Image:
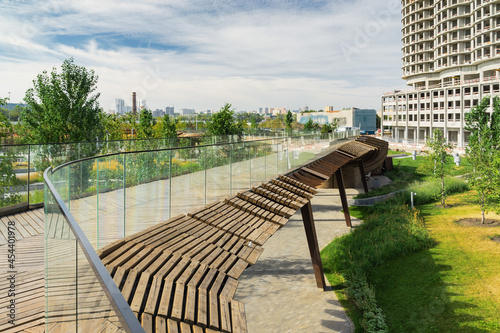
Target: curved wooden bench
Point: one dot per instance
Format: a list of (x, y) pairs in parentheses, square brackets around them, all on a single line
[(181, 275)]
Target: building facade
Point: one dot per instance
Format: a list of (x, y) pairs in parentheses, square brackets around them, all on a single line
[(451, 61), (364, 119)]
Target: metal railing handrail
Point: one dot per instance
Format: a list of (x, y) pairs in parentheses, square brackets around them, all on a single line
[(114, 295)]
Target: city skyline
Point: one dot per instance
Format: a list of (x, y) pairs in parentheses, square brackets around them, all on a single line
[(194, 54)]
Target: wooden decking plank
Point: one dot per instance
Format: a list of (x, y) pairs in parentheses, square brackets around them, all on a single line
[(157, 286), (180, 290), (161, 324), (237, 269), (166, 296), (202, 316), (142, 287), (238, 317), (191, 295), (214, 301), (172, 326), (225, 298)]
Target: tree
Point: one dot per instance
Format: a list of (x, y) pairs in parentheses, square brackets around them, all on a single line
[(166, 128), (5, 125), (63, 106), (484, 155), (223, 123), (146, 123), (289, 121), (113, 126), (311, 125), (437, 160)]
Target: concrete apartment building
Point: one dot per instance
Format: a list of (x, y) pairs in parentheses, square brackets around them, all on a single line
[(451, 60)]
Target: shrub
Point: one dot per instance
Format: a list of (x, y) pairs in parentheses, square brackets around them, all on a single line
[(390, 230)]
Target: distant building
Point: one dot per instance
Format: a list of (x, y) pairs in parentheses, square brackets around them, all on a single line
[(365, 119), (142, 104), (277, 111), (11, 106), (185, 112), (158, 113), (261, 110), (328, 108), (119, 106), (170, 111)]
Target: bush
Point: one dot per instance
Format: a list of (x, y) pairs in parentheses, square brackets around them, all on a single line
[(390, 230), (430, 191)]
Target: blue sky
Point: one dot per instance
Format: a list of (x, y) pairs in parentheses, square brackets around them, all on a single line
[(202, 53)]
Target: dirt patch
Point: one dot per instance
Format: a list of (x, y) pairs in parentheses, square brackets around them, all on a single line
[(495, 239), (470, 222)]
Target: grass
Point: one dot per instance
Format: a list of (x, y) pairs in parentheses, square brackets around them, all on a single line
[(452, 287), (393, 152), (405, 174), (389, 231)]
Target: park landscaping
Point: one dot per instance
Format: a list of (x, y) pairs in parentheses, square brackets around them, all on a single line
[(431, 270)]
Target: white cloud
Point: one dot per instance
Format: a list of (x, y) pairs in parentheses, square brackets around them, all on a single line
[(276, 53)]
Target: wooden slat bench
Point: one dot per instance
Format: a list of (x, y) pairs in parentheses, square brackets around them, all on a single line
[(181, 274)]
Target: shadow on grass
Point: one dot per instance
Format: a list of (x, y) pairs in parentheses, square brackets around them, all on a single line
[(414, 298)]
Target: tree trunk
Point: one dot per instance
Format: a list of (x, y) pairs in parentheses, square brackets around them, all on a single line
[(442, 191), (482, 209)]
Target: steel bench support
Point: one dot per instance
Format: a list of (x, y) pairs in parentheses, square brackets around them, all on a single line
[(312, 241), (343, 197)]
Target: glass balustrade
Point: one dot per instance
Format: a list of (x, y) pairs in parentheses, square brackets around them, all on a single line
[(113, 196)]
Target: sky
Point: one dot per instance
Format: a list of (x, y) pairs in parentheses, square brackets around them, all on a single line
[(201, 54)]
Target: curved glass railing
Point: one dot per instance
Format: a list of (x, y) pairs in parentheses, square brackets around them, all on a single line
[(94, 201)]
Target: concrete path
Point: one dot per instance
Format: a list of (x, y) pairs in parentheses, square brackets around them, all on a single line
[(279, 291)]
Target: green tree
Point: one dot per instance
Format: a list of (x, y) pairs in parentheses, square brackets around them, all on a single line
[(113, 126), (166, 128), (311, 125), (437, 159), (5, 125), (223, 123), (289, 121), (62, 106), (326, 128), (484, 155), (146, 123)]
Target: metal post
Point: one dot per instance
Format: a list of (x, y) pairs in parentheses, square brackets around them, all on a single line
[(343, 197), (312, 242), (29, 172), (363, 176)]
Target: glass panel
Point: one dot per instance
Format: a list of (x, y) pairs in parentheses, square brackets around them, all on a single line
[(240, 167), (258, 155), (75, 300), (145, 190), (111, 199), (188, 180), (84, 199), (217, 161), (14, 174), (60, 269)]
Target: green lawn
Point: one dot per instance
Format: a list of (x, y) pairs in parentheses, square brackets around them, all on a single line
[(452, 287), (405, 174)]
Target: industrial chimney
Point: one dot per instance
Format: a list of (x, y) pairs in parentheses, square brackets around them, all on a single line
[(134, 103)]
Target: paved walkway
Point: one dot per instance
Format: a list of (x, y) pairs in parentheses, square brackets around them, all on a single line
[(279, 291)]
